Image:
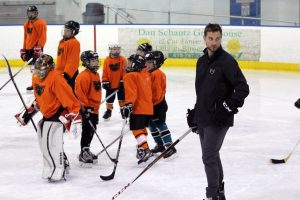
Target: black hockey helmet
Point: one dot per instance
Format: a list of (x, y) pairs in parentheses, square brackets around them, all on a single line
[(32, 9), (158, 59), (135, 63), (72, 25), (43, 65), (145, 47), (86, 57)]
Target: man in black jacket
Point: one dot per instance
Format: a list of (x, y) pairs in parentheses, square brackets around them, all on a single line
[(220, 88)]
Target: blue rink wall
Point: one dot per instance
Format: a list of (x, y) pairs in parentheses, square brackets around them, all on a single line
[(258, 48)]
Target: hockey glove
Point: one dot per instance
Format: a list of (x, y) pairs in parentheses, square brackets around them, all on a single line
[(106, 85), (87, 110), (190, 115), (37, 51), (72, 122), (127, 110), (121, 85), (26, 114), (297, 103), (23, 54)]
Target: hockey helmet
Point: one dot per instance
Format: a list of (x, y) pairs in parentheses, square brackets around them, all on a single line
[(32, 12), (114, 50), (143, 49), (135, 63), (43, 65), (158, 59), (86, 58), (74, 26)]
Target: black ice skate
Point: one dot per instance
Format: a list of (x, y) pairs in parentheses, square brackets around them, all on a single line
[(170, 152), (143, 155), (94, 157), (107, 115), (85, 159), (158, 149)]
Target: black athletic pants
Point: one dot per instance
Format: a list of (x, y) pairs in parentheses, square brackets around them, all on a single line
[(211, 139), (87, 130)]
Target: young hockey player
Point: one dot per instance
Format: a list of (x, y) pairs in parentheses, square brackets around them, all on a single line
[(59, 107), (112, 78), (88, 91), (139, 106), (68, 53), (157, 125), (143, 49), (35, 34)]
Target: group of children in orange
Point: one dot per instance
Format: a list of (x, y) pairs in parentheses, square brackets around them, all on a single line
[(69, 100)]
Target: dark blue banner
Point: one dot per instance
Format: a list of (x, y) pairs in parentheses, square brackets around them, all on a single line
[(245, 8)]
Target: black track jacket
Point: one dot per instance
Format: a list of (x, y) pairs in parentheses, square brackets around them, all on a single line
[(218, 79)]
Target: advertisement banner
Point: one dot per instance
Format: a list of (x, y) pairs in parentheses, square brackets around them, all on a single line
[(243, 44)]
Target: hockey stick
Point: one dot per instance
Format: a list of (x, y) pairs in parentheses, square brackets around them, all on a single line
[(16, 73), (108, 97), (112, 175), (284, 160), (152, 163), (13, 80), (114, 141), (111, 159), (108, 145)]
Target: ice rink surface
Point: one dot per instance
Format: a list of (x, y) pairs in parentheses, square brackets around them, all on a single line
[(268, 126)]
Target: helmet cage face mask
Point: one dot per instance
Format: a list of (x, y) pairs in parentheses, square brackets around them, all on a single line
[(66, 33), (158, 59), (114, 50), (43, 65), (73, 26), (90, 60), (135, 63), (32, 12), (94, 65)]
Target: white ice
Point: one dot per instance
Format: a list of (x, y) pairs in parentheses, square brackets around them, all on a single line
[(268, 126)]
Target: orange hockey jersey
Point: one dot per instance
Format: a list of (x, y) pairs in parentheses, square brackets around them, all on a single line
[(113, 70), (88, 89), (68, 54), (53, 92), (158, 79), (35, 33), (138, 92)]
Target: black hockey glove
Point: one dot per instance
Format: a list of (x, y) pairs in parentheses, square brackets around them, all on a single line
[(121, 85), (190, 115), (297, 103), (87, 112), (106, 85), (126, 110)]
